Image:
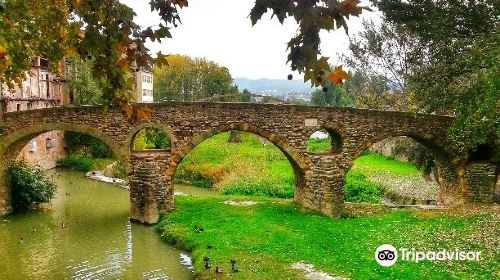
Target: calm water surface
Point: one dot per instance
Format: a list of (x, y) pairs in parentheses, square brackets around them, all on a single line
[(97, 240)]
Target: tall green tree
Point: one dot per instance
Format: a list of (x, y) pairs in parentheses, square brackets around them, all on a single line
[(331, 95), (382, 57), (82, 86), (460, 71), (187, 79)]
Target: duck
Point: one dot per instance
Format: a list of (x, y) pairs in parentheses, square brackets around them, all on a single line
[(198, 229), (234, 268), (218, 270), (207, 262)]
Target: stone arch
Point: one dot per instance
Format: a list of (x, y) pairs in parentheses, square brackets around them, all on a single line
[(449, 175), (297, 162), (12, 144), (292, 156), (336, 140), (129, 140)]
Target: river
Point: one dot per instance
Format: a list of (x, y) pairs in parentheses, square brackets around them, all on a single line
[(85, 234)]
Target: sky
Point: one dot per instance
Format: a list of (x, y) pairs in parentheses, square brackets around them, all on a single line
[(221, 31)]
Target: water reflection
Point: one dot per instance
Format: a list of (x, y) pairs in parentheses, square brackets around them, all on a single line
[(97, 240)]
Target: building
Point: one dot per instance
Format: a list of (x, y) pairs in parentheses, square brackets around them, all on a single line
[(40, 89), (143, 85)]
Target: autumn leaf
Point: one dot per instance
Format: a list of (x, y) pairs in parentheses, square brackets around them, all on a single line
[(338, 75), (143, 114), (181, 3), (350, 7), (3, 54), (122, 63), (161, 59)]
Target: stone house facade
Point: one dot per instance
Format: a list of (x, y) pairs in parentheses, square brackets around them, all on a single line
[(40, 89)]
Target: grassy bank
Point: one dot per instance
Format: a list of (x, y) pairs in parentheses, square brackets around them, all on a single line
[(256, 167), (252, 167), (267, 238), (85, 164)]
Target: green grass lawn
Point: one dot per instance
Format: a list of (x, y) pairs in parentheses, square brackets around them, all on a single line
[(319, 145), (267, 238), (375, 163)]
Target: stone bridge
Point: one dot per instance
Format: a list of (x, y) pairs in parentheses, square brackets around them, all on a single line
[(319, 178)]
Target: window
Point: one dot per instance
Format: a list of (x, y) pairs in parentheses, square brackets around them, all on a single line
[(44, 63), (18, 107)]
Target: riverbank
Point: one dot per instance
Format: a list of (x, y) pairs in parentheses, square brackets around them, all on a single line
[(270, 236)]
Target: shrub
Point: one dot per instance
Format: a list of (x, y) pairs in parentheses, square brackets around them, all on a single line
[(253, 188), (77, 162), (29, 186), (358, 189), (86, 145), (151, 138)]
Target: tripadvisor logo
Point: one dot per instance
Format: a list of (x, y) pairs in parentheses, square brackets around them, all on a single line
[(387, 255)]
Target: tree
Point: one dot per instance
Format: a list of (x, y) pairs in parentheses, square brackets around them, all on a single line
[(106, 31), (382, 57), (103, 30), (331, 95), (82, 86), (460, 70), (187, 79), (388, 50), (246, 96)]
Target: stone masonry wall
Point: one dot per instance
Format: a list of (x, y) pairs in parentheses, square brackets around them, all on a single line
[(482, 179), (151, 194), (319, 178)]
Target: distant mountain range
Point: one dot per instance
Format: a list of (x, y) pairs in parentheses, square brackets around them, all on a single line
[(273, 86)]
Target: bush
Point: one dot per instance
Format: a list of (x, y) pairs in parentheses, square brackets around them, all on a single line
[(86, 145), (29, 186), (253, 188), (77, 162), (358, 189), (197, 178), (151, 138)]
